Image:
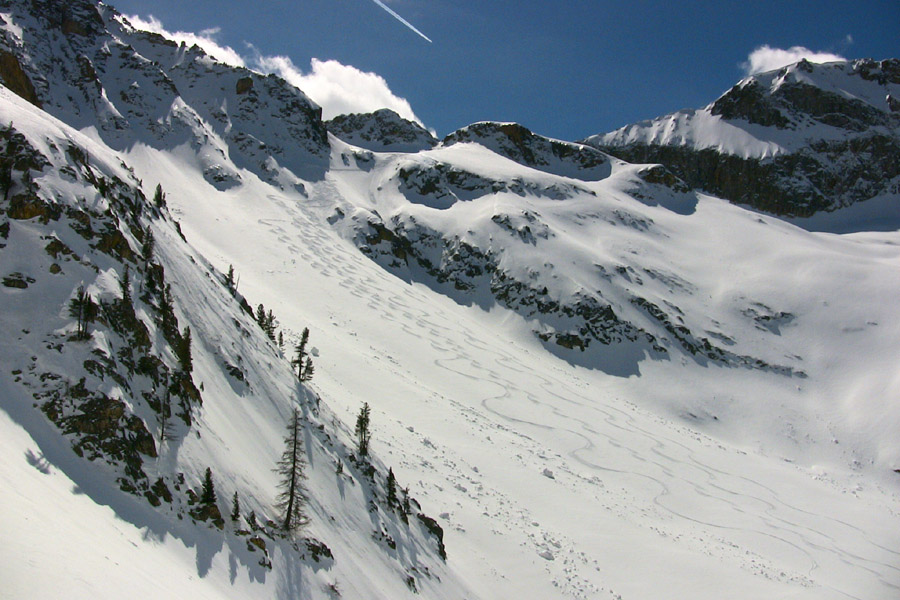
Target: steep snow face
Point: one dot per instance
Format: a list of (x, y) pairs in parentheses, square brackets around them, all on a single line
[(90, 68), (116, 416), (381, 131), (687, 477), (788, 141)]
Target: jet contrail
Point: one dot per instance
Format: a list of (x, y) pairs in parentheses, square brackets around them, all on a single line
[(401, 19)]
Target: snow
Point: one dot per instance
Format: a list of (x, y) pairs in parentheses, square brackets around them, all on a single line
[(687, 480), (555, 474)]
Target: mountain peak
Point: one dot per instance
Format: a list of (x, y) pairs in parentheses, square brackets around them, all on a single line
[(786, 141), (381, 131)]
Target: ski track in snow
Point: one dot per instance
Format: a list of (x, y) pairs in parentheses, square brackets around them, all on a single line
[(686, 487)]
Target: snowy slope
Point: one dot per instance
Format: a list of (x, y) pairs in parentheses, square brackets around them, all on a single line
[(597, 381), (109, 410)]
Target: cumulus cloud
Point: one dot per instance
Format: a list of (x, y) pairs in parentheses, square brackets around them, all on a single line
[(205, 39), (766, 58), (336, 87)]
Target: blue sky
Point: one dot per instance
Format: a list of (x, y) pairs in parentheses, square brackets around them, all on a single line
[(566, 69)]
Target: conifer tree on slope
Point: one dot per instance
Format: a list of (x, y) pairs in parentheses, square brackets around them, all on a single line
[(302, 360), (362, 429), (292, 496)]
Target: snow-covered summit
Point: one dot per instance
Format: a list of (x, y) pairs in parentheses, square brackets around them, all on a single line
[(788, 140)]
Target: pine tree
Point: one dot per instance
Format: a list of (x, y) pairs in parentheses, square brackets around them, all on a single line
[(281, 340), (165, 412), (300, 360), (184, 351), (230, 283), (291, 498), (391, 489), (270, 325), (208, 495), (148, 246), (261, 316), (83, 308), (404, 507), (167, 321), (362, 429), (308, 370), (159, 197), (235, 508)]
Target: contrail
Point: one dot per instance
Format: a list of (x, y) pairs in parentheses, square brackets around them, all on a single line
[(401, 19)]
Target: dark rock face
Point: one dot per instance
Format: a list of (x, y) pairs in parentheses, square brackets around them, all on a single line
[(381, 131), (15, 78), (845, 150), (520, 145), (823, 177), (749, 102)]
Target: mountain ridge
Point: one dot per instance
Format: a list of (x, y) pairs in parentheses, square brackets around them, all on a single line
[(794, 141), (581, 366)]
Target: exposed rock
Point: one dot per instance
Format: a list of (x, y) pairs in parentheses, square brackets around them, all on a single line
[(381, 131), (244, 85), (825, 148), (519, 144), (15, 78)]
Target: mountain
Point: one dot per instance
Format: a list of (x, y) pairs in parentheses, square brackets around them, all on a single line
[(381, 131), (795, 141), (585, 378)]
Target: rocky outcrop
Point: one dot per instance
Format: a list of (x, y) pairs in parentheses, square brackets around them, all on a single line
[(381, 131), (520, 145)]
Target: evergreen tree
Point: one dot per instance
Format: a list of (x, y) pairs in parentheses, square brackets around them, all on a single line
[(208, 495), (300, 360), (159, 197), (281, 340), (165, 412), (84, 309), (362, 429), (148, 246), (391, 489), (235, 508), (404, 507), (308, 370), (230, 283), (125, 288), (167, 321), (270, 325), (261, 316), (184, 351), (291, 498)]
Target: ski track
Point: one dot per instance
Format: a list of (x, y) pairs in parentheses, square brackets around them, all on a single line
[(504, 405)]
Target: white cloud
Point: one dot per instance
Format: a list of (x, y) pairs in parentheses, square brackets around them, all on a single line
[(766, 58), (336, 87), (205, 39)]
